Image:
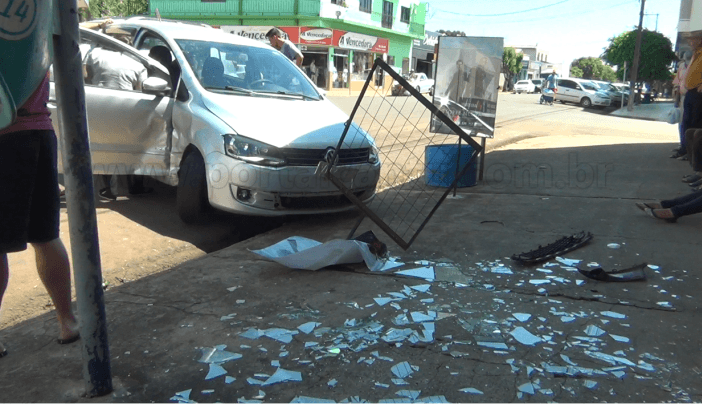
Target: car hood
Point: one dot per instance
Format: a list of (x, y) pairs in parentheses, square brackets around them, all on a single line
[(283, 122)]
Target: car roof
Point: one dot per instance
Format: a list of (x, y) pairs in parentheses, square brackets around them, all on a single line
[(188, 30)]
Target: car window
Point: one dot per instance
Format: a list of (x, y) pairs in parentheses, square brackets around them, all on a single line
[(228, 67), (589, 86), (567, 84), (112, 66)]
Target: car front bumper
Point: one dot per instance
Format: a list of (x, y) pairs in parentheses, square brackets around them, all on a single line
[(238, 187)]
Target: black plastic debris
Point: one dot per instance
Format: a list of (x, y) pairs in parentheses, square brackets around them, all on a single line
[(633, 274), (377, 247), (558, 247)]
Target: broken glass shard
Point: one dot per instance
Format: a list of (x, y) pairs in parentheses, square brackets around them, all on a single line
[(501, 270), (332, 383), (251, 333), (619, 338), (421, 288), (402, 370), (418, 317), (567, 319), (432, 399), (350, 323), (589, 384), (470, 390), (567, 360), (215, 371), (568, 262), (594, 331), (619, 374), (229, 379), (383, 300), (308, 327), (382, 385), (522, 317), (214, 355), (388, 265), (411, 394), (527, 388), (613, 246), (427, 300), (401, 319), (399, 382), (398, 295), (612, 314), (646, 366), (397, 335), (524, 336), (426, 273), (611, 359), (665, 304), (307, 399), (395, 306), (539, 281), (281, 375)]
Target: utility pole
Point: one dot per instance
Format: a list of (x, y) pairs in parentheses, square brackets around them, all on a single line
[(637, 56)]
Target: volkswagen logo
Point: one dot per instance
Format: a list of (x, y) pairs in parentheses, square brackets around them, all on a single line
[(329, 156)]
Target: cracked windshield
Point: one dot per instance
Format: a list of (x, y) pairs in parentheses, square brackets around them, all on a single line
[(223, 67)]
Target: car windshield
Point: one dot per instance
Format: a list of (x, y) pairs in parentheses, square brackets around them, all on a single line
[(589, 86), (245, 69), (603, 86)]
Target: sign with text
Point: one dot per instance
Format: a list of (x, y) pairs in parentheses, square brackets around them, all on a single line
[(361, 42), (316, 36), (258, 32)]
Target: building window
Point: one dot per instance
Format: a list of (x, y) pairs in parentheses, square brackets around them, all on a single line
[(405, 14), (213, 1), (366, 6), (336, 2), (388, 15)]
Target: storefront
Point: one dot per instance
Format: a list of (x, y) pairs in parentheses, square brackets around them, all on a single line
[(423, 59), (332, 58)]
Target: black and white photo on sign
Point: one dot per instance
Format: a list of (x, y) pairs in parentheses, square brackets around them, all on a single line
[(465, 90)]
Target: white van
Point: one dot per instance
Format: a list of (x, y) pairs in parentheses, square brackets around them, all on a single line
[(583, 92)]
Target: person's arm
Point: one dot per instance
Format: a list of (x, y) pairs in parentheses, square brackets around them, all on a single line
[(298, 60), (96, 25)]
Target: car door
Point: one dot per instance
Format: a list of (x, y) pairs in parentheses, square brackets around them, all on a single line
[(129, 129), (424, 83), (566, 91)]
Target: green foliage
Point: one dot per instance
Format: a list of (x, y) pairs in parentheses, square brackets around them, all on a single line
[(592, 69), (656, 58), (117, 8), (452, 33), (511, 65)]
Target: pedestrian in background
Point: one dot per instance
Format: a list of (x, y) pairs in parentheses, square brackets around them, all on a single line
[(552, 81), (679, 91), (30, 205), (277, 39)]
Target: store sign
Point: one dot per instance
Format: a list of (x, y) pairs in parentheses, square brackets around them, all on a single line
[(258, 33), (316, 36), (354, 41)]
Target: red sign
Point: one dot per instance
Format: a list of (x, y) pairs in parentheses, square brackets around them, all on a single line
[(293, 33), (361, 42), (316, 36)]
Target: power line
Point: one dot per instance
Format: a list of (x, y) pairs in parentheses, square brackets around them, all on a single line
[(501, 14)]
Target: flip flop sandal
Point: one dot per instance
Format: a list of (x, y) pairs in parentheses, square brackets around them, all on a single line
[(68, 340), (691, 178), (635, 273), (652, 213), (646, 205)]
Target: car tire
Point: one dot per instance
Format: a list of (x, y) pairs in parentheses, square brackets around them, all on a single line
[(191, 194), (419, 89), (585, 102)]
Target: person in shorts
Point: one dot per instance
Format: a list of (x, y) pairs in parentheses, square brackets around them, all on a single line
[(30, 206)]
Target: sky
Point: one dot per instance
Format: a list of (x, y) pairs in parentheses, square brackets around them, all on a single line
[(566, 29)]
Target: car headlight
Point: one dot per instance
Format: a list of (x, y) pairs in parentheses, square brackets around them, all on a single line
[(373, 155), (253, 151)]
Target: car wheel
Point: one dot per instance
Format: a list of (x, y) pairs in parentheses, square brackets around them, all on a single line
[(585, 102), (419, 89), (561, 101), (191, 194)]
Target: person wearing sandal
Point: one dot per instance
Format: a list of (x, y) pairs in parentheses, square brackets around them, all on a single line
[(30, 205), (672, 209)]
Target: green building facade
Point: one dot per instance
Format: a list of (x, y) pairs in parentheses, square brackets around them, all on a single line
[(339, 38)]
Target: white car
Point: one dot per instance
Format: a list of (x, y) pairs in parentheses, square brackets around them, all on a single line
[(245, 139), (419, 82), (524, 86), (583, 92)]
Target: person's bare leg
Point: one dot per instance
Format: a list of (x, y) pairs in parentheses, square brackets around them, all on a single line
[(55, 273), (4, 277)]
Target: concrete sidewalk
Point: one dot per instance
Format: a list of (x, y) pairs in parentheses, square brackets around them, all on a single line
[(502, 331), (655, 111)]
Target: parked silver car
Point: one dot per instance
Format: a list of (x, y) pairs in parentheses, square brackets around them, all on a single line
[(230, 121), (583, 92), (615, 94)]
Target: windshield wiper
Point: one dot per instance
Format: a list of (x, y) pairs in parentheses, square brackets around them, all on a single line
[(306, 97), (231, 88)]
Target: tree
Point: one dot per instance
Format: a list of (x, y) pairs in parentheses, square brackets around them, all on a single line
[(656, 55), (452, 33), (511, 65), (592, 69), (117, 8)]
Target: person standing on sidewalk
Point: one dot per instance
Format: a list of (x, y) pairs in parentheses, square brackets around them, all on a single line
[(679, 91), (692, 103), (277, 39), (30, 205)]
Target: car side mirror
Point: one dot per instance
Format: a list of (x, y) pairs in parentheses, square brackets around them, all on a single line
[(156, 86)]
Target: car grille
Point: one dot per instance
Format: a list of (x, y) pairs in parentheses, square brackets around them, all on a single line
[(312, 157), (317, 202)]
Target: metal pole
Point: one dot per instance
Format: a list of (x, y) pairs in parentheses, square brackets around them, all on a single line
[(458, 166), (80, 202), (637, 56)]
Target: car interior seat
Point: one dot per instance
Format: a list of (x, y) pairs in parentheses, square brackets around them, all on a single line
[(213, 73)]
